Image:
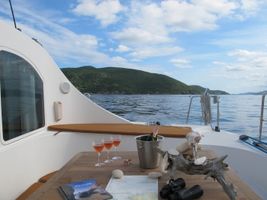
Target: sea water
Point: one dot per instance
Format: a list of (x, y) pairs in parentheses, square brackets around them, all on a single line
[(238, 113)]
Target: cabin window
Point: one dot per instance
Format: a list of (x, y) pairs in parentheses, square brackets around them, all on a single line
[(22, 101)]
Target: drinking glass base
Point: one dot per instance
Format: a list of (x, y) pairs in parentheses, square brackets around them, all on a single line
[(116, 158), (98, 165)]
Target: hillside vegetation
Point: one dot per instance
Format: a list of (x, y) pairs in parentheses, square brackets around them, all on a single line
[(113, 80)]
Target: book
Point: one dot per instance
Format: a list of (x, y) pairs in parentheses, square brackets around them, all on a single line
[(83, 190)]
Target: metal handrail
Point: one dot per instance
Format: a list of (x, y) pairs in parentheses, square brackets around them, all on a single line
[(206, 109), (262, 113), (189, 108), (216, 99)]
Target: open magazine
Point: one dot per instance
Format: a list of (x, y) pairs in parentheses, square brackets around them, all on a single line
[(83, 190)]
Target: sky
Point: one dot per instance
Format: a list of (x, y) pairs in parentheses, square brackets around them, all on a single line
[(218, 44)]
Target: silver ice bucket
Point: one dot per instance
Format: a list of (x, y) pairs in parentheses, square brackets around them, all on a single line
[(149, 157)]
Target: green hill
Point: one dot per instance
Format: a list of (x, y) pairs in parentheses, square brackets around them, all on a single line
[(113, 80), (202, 89)]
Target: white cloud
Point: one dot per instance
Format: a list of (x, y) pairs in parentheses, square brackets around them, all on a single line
[(218, 62), (79, 48), (118, 59), (251, 59), (105, 11), (219, 7), (67, 47), (148, 52), (250, 7), (180, 63), (151, 25), (184, 16), (247, 69), (64, 45), (122, 48), (243, 53), (148, 17), (144, 25), (174, 15), (137, 36)]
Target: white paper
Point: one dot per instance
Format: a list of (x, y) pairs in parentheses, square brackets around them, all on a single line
[(133, 188)]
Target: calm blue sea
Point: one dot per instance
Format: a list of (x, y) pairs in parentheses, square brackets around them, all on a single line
[(238, 113)]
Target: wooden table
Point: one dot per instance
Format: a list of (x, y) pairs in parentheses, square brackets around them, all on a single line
[(82, 167)]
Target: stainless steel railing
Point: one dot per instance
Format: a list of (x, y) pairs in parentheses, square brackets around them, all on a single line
[(205, 100), (262, 115), (189, 108)]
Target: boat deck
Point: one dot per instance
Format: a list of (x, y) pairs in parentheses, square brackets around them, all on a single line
[(82, 167)]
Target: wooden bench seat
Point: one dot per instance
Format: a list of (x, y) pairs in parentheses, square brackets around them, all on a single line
[(29, 191), (124, 129), (35, 186)]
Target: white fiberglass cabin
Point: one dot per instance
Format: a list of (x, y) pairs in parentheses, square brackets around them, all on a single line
[(35, 94)]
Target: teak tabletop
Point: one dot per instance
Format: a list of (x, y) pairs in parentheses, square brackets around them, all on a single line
[(82, 167)]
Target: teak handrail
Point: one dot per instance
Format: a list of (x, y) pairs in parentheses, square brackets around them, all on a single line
[(124, 129)]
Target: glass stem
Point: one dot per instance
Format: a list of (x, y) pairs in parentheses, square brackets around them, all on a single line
[(98, 158), (108, 154)]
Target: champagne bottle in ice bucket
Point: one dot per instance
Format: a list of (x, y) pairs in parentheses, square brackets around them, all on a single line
[(155, 131), (147, 146)]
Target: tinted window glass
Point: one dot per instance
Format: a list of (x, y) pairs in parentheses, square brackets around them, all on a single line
[(21, 96)]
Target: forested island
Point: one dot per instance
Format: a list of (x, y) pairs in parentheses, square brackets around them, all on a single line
[(114, 80)]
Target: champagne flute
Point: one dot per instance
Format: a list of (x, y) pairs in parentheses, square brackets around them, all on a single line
[(116, 143), (98, 146), (108, 143)]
